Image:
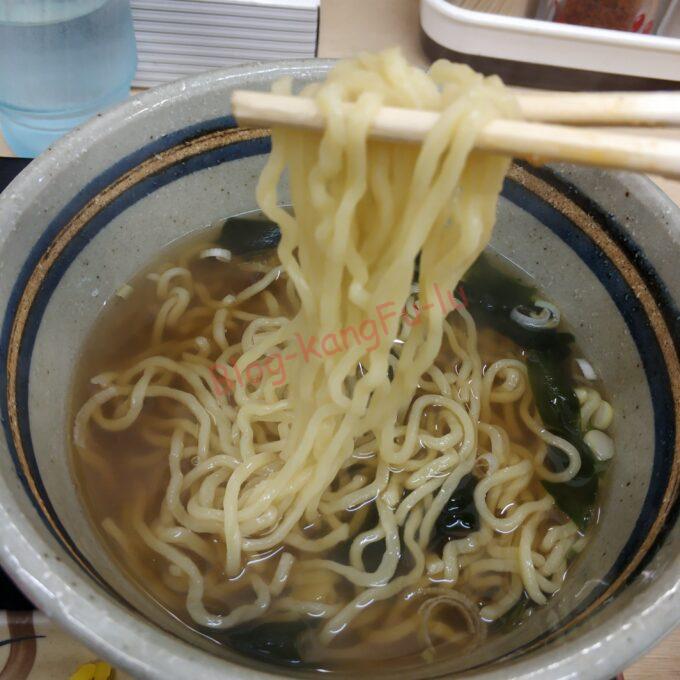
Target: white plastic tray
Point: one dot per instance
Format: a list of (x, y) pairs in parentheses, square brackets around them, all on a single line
[(552, 44)]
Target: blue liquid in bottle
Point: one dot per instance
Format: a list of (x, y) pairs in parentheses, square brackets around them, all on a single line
[(61, 61)]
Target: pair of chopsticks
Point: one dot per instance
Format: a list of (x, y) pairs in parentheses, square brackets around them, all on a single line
[(547, 140)]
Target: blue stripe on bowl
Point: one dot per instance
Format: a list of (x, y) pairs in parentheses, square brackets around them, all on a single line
[(603, 268)]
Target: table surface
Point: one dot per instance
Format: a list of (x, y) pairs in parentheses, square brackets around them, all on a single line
[(347, 27)]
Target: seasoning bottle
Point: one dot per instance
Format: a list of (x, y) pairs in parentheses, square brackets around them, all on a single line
[(638, 16)]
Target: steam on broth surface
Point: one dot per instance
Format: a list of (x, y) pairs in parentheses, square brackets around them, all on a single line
[(287, 447)]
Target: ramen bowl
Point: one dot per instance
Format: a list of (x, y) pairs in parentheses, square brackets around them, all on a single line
[(81, 220)]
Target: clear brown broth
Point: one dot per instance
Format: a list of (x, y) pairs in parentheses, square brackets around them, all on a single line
[(122, 333)]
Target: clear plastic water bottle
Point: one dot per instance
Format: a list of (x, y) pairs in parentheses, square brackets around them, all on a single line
[(61, 61)]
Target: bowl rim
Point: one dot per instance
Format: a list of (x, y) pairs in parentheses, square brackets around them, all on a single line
[(144, 649)]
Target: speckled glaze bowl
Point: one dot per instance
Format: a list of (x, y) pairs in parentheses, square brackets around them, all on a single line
[(83, 218)]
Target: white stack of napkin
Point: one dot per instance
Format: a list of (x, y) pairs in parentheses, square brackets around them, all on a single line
[(177, 38)]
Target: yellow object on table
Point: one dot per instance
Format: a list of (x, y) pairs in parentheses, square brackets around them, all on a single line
[(96, 670)]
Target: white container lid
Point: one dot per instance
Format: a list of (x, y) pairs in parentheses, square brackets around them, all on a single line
[(541, 42)]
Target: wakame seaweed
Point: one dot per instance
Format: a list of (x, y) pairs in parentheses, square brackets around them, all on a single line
[(275, 641), (491, 295), (248, 235), (459, 518), (559, 409)]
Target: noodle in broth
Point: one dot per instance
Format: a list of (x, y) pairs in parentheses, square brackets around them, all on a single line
[(279, 440)]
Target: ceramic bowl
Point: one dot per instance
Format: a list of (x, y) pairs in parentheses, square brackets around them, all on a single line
[(86, 216)]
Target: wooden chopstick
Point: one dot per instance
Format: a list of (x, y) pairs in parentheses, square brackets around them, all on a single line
[(535, 141), (602, 108)]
